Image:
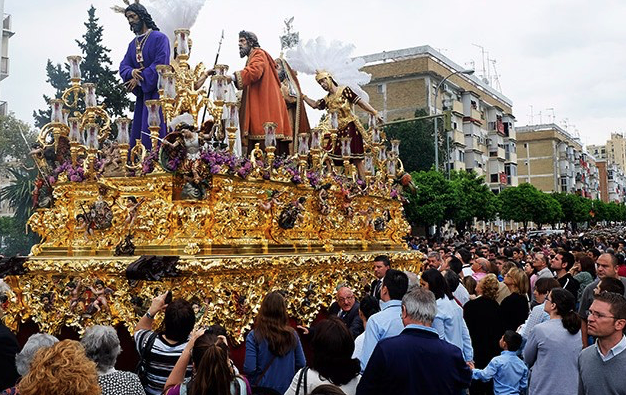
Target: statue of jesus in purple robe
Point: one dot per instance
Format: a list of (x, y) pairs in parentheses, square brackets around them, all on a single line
[(138, 68)]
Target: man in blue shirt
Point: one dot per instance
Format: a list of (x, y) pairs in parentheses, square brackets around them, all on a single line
[(509, 373), (387, 321), (417, 361)]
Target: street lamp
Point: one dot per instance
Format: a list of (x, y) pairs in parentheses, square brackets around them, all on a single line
[(467, 72)]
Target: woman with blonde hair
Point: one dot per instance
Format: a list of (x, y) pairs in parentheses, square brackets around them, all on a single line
[(514, 308), (61, 369)]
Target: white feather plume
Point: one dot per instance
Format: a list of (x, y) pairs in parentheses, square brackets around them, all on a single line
[(317, 55), (182, 118), (170, 15)]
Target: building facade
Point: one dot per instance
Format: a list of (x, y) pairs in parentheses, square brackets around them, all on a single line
[(481, 136), (7, 33), (554, 161)]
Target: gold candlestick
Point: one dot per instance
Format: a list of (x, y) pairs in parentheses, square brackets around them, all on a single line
[(269, 152), (123, 150), (154, 136), (232, 136), (89, 166)]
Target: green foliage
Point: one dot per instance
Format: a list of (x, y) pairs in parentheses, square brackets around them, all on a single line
[(417, 150), (575, 208), (431, 200), (96, 67), (547, 210), (517, 203), (472, 198), (59, 78), (13, 237), (12, 144), (19, 193)]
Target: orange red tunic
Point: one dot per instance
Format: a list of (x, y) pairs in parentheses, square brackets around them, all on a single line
[(262, 100)]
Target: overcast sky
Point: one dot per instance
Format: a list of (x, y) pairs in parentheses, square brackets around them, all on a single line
[(569, 55)]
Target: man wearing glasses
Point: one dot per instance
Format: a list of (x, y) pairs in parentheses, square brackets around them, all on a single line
[(606, 266), (601, 366), (347, 308)]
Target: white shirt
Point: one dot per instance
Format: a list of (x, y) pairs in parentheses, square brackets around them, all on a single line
[(613, 352)]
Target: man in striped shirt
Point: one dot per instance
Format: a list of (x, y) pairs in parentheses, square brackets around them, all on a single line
[(167, 346)]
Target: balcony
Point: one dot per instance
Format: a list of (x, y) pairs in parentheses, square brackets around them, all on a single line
[(497, 153), (456, 137), (4, 67), (475, 114), (457, 107)]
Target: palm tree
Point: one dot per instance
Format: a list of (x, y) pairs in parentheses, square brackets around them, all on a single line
[(19, 196)]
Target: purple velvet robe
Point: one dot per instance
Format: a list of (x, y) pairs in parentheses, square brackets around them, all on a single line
[(156, 50)]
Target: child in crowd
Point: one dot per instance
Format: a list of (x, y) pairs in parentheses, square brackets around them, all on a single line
[(508, 371)]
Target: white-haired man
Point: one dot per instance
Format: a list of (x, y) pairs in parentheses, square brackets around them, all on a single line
[(416, 361)]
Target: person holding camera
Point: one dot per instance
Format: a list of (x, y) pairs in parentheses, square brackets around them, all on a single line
[(159, 351)]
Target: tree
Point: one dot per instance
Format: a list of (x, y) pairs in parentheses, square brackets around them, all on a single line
[(472, 198), (13, 239), (519, 203), (547, 210), (59, 78), (12, 144), (95, 68), (575, 208), (430, 202), (417, 149), (13, 234)]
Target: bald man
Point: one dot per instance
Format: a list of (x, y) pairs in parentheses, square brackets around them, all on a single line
[(347, 308)]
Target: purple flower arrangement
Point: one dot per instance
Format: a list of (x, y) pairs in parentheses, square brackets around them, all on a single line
[(74, 173), (224, 162)]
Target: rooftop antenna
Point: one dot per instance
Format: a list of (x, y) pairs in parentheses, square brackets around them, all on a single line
[(484, 68), (540, 119), (532, 120), (565, 123), (552, 110), (495, 77)]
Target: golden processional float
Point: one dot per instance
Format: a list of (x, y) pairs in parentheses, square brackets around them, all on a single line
[(119, 225)]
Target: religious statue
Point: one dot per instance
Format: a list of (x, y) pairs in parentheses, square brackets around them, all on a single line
[(339, 100), (181, 152), (138, 68), (290, 88), (262, 100)]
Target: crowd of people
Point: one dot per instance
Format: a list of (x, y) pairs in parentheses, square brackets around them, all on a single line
[(488, 314)]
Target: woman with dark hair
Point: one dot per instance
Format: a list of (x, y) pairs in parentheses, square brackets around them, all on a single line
[(273, 349), (367, 307), (483, 323), (553, 346), (449, 321), (332, 362), (584, 271), (213, 371), (514, 308)]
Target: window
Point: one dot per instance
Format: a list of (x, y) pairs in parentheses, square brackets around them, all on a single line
[(380, 88), (494, 177)]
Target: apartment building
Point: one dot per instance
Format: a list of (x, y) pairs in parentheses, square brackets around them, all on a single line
[(7, 33), (482, 132), (553, 160)]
